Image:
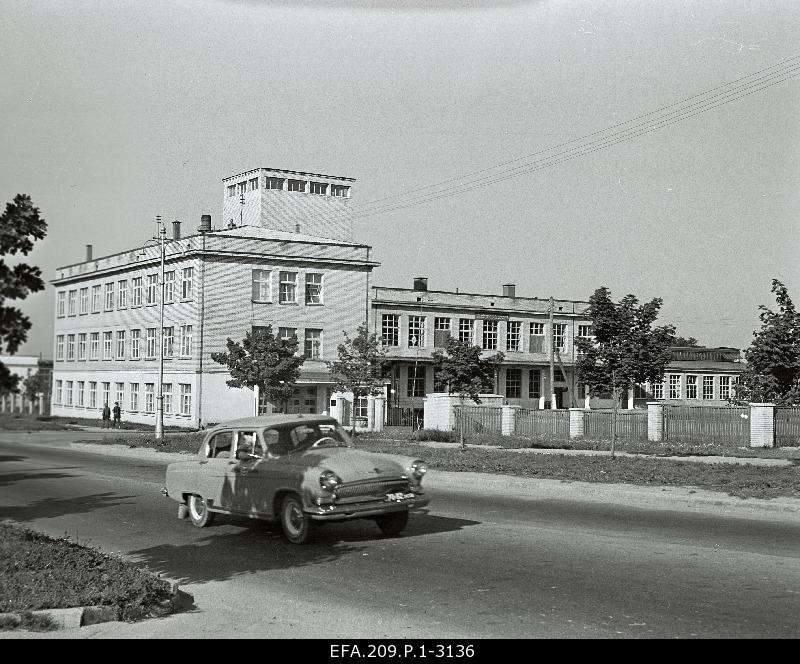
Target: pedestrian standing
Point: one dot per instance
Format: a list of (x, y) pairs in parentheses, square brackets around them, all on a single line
[(106, 416), (117, 415)]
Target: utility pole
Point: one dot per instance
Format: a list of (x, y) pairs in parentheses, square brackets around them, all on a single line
[(552, 360), (162, 232), (241, 210)]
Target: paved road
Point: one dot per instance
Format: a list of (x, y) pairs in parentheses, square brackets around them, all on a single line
[(477, 565)]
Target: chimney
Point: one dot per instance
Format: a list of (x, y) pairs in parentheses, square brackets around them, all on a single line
[(420, 283), (88, 252), (509, 290), (176, 230), (205, 224)]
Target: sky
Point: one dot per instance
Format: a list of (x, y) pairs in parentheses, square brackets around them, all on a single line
[(115, 112)]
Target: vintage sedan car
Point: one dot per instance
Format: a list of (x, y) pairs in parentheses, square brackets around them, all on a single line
[(300, 470)]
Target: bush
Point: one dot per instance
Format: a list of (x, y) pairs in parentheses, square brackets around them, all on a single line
[(30, 622), (436, 435)]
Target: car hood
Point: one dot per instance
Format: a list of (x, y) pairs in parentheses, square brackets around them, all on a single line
[(353, 465)]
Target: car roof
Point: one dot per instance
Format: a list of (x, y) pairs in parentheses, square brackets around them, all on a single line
[(274, 420)]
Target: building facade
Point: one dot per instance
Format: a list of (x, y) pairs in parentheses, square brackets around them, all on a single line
[(25, 366), (218, 284)]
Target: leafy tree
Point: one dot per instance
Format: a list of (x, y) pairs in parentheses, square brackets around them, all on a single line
[(684, 341), (35, 384), (20, 227), (626, 349), (463, 370), (359, 365), (263, 359), (772, 374)]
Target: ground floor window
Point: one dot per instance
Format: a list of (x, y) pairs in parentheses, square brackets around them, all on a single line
[(186, 399), (513, 383), (134, 405), (416, 382), (149, 397), (166, 391), (535, 384)]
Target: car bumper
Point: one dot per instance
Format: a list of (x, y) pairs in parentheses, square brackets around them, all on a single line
[(334, 512)]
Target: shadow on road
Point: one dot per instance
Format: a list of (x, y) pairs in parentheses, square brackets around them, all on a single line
[(10, 457), (48, 508)]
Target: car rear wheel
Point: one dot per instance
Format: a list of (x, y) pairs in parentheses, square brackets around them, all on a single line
[(393, 524), (296, 524), (199, 513)]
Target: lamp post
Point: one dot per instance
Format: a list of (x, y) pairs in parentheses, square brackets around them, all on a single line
[(162, 232)]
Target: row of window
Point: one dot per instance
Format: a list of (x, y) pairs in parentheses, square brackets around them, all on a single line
[(289, 184), (695, 387), (121, 294), (288, 287), (85, 394), (415, 383), (120, 345), (443, 329), (312, 341)]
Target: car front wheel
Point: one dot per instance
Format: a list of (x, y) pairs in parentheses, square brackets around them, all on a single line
[(393, 524), (199, 513), (296, 524)]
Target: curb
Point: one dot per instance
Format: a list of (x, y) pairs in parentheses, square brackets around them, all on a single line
[(83, 616)]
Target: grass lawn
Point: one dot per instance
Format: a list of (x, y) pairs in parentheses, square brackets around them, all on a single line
[(40, 572), (24, 422)]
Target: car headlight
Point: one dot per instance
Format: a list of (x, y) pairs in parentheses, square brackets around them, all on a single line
[(329, 480), (419, 468)]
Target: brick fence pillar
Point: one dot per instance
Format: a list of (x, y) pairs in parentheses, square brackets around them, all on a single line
[(508, 421), (370, 412), (762, 424), (576, 422), (655, 421), (380, 412)]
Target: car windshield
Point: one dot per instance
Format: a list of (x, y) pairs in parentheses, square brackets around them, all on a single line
[(320, 435)]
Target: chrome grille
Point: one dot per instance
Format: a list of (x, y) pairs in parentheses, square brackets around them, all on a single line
[(371, 488)]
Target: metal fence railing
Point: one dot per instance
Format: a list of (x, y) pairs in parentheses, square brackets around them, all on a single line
[(719, 425), (787, 426), (478, 419), (631, 425), (405, 417), (544, 424)]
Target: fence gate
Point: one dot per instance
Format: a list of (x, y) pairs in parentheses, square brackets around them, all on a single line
[(405, 417), (728, 426)]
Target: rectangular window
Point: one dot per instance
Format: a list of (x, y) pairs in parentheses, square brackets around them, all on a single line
[(288, 288), (262, 288), (62, 299), (135, 339), (537, 337), (168, 341), (187, 278), (97, 296), (79, 393), (585, 331), (136, 292), (60, 347), (416, 381), (82, 346), (120, 344), (186, 398), (658, 390), (441, 331), (297, 185), (186, 340), (106, 393), (340, 190), (150, 343), (68, 399), (514, 383), (231, 190), (319, 188), (253, 183), (287, 333), (84, 301), (122, 294), (560, 336), (166, 391), (313, 344), (149, 398), (674, 386), (273, 183), (108, 343), (390, 330), (94, 346), (72, 303), (724, 387), (133, 406), (152, 288), (242, 187), (489, 335), (514, 335), (535, 384), (416, 331), (708, 387), (70, 347), (313, 288), (109, 297), (691, 387), (169, 286), (466, 327), (120, 394), (57, 392), (92, 394)]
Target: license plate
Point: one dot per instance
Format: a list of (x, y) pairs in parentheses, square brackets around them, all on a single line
[(398, 496)]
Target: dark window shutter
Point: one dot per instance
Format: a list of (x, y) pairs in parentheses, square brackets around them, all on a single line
[(440, 338)]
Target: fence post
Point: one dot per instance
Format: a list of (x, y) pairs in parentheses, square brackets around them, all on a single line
[(762, 424), (655, 421), (371, 412), (630, 399), (576, 422), (508, 420), (380, 412)]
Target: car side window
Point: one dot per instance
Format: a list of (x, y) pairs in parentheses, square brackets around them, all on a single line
[(248, 442), (278, 442), (219, 447)]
